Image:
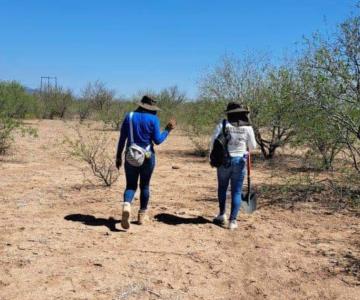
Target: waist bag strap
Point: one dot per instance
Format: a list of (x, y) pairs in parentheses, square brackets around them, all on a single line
[(132, 131)]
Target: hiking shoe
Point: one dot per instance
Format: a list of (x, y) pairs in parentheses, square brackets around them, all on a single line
[(143, 218), (220, 219), (126, 214), (233, 225)]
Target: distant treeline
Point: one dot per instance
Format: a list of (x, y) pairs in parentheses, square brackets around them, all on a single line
[(310, 101)]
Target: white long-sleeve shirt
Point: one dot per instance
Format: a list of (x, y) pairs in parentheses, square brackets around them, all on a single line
[(242, 139)]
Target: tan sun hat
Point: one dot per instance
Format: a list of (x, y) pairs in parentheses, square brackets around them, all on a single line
[(148, 103)]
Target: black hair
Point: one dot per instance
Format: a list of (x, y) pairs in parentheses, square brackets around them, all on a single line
[(144, 110), (239, 119)]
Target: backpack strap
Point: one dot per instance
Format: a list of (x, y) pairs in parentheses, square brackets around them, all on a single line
[(226, 154), (224, 122), (131, 128)]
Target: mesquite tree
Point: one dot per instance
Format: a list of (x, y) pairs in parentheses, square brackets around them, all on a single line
[(15, 102), (335, 63), (98, 95), (93, 149), (170, 100), (55, 102), (273, 112)]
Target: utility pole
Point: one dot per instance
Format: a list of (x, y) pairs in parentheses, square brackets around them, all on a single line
[(47, 82)]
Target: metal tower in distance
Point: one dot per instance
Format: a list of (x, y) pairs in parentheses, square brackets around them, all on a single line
[(47, 82)]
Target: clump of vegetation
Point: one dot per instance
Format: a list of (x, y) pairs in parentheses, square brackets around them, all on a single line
[(331, 70), (93, 150), (55, 102), (312, 102), (15, 105), (82, 109), (7, 126), (114, 116), (15, 102), (199, 120), (98, 102), (98, 96), (171, 101)]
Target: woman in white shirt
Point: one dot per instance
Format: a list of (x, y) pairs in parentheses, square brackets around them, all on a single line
[(241, 139)]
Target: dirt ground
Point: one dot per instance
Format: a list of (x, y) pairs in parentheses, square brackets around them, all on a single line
[(62, 239)]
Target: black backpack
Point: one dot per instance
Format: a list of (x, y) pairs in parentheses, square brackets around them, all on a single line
[(219, 155)]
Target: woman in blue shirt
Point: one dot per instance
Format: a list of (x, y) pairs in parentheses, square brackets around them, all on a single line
[(146, 133)]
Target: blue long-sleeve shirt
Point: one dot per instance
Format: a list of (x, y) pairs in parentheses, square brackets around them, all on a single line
[(146, 127)]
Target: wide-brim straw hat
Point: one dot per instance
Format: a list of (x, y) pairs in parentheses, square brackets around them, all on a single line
[(234, 107), (148, 103)]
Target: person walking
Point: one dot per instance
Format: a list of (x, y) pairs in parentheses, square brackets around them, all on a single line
[(140, 130), (240, 139)]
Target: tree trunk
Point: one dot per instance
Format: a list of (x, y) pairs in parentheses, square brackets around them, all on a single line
[(272, 150)]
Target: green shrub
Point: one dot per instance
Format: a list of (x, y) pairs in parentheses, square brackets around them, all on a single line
[(82, 109), (98, 96), (15, 102), (199, 120), (115, 113), (93, 150), (55, 102), (331, 67), (7, 128), (314, 129), (273, 110), (170, 101)]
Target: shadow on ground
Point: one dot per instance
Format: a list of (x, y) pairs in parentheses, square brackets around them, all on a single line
[(10, 160), (352, 266), (185, 153), (93, 221), (330, 196), (344, 263), (207, 199), (176, 220)]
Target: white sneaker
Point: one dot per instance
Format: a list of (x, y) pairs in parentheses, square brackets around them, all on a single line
[(126, 215), (233, 225), (220, 219)]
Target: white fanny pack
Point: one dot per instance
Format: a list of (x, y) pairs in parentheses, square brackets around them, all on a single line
[(135, 155)]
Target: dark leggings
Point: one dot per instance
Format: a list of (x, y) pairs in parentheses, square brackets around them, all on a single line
[(132, 178)]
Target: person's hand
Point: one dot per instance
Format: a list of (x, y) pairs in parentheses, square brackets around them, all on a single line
[(118, 162), (171, 124)]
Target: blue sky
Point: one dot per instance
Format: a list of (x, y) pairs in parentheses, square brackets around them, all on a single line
[(137, 45)]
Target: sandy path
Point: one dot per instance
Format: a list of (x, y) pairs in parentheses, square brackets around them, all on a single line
[(60, 239)]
